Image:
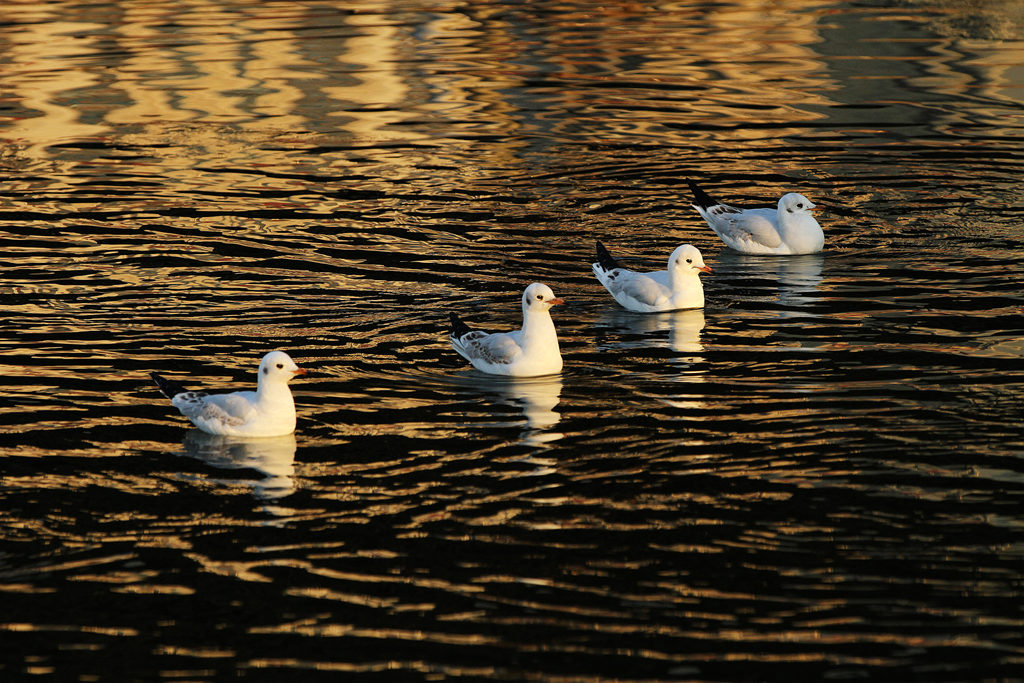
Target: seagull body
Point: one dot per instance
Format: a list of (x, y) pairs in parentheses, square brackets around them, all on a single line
[(664, 290), (528, 352), (788, 229), (268, 411)]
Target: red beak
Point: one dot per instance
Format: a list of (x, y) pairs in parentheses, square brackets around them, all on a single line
[(299, 371), (555, 302), (706, 269)]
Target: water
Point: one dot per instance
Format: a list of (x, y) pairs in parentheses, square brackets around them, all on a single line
[(818, 476)]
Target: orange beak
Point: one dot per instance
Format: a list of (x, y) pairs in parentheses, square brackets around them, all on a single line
[(706, 269), (299, 371), (555, 302)]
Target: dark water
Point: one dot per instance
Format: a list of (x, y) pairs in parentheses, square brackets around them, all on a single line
[(818, 477)]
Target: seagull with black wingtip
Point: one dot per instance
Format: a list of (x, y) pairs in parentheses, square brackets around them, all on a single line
[(788, 229), (527, 352), (268, 411), (673, 289)]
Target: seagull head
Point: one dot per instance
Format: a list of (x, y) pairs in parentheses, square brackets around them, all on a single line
[(539, 298), (795, 203), (277, 366), (687, 258)]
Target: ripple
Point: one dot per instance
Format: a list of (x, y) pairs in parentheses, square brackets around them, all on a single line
[(816, 476)]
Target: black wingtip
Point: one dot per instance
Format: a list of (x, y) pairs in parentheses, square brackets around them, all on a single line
[(604, 259), (167, 387), (701, 197), (459, 328)]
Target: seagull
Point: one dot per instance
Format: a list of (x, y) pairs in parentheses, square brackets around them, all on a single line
[(790, 229), (528, 352), (663, 290), (268, 411)]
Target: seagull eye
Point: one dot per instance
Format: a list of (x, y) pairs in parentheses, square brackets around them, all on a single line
[(539, 297), (280, 366), (689, 260), (800, 205)]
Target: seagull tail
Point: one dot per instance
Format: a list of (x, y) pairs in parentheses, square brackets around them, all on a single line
[(459, 328), (605, 260), (167, 387), (702, 198)]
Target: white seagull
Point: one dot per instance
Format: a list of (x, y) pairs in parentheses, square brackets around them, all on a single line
[(268, 411), (663, 290), (528, 352), (789, 229)]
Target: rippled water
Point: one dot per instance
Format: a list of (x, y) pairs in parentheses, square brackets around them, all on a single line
[(818, 476)]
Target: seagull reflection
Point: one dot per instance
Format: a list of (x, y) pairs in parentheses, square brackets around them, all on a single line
[(537, 396), (674, 381), (797, 277), (683, 327), (272, 456)]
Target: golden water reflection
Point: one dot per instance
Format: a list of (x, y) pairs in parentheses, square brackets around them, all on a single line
[(321, 69), (200, 180)]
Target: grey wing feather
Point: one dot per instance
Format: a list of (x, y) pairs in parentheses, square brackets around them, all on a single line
[(645, 288), (228, 409), (752, 224), (498, 348)]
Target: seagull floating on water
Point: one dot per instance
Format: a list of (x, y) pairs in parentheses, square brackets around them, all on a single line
[(663, 290), (528, 352), (268, 411), (789, 229)]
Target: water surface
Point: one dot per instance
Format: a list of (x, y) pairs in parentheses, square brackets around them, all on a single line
[(818, 476)]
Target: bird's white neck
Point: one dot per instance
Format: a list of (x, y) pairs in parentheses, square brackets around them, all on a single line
[(538, 328), (273, 391), (682, 278)]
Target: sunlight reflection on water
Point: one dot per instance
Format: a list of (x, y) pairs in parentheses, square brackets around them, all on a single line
[(817, 475)]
